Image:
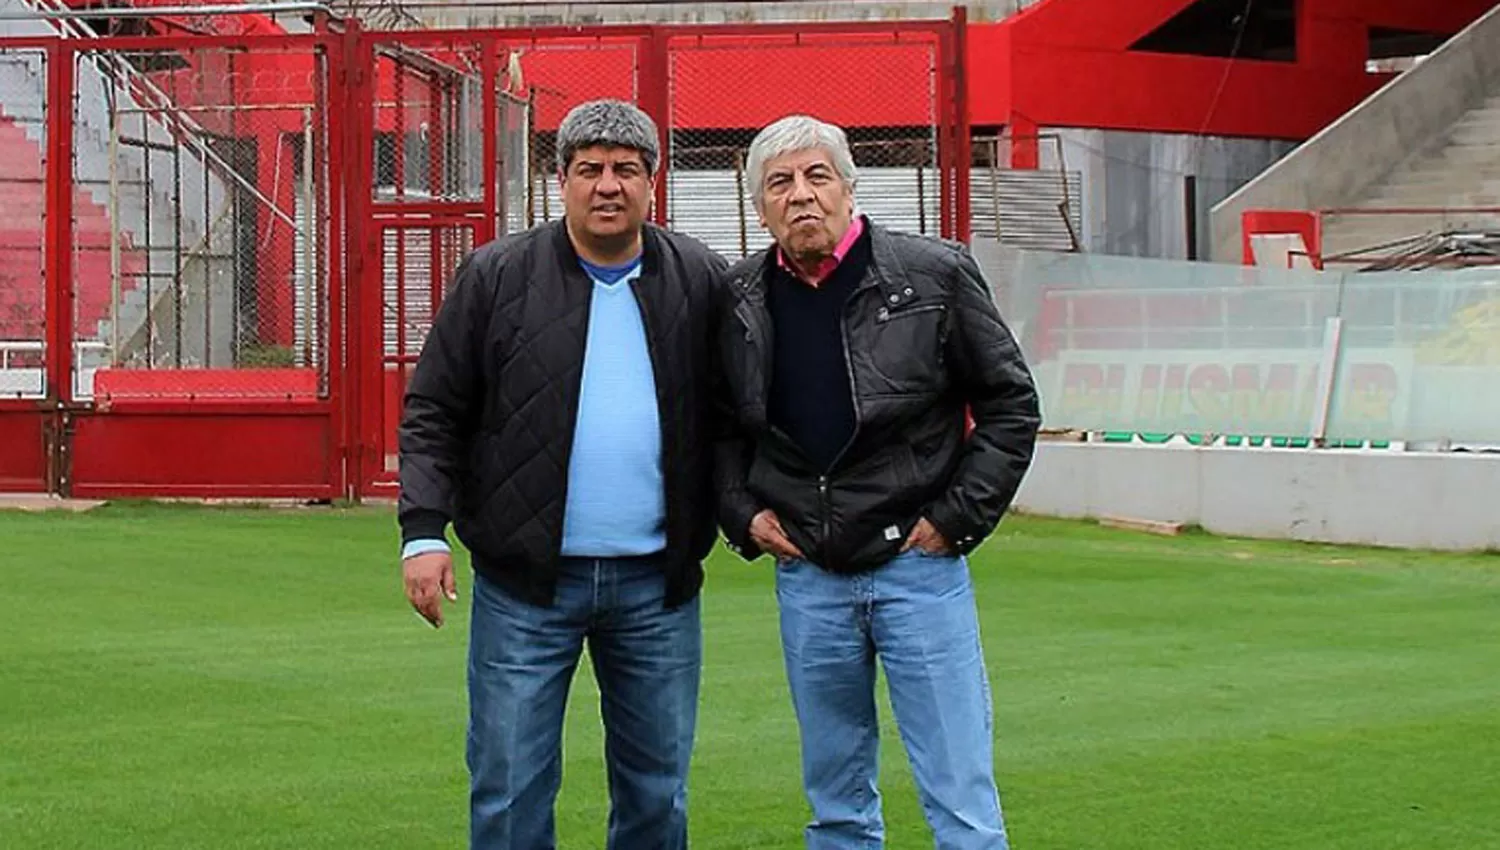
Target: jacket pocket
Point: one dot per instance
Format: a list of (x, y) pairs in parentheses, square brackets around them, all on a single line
[(903, 351)]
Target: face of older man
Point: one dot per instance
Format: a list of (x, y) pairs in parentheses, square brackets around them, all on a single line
[(606, 193), (805, 204)]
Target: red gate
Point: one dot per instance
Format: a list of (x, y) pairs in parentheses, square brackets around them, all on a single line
[(180, 337), (221, 249), (417, 258), (529, 80)]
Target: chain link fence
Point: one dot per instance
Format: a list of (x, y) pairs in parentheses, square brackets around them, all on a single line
[(885, 97), (545, 80), (200, 218), (900, 179), (209, 159), (429, 124), (418, 265), (23, 201)]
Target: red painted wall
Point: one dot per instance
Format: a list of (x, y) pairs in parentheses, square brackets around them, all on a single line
[(746, 81), (1061, 63), (1067, 63), (870, 83), (1091, 24)]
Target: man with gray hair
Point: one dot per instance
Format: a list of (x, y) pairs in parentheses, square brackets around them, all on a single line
[(852, 355), (558, 417)]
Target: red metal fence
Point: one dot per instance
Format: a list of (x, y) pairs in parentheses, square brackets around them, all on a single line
[(222, 253)]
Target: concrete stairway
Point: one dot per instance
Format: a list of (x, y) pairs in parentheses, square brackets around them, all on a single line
[(142, 206), (1458, 172), (1428, 139)]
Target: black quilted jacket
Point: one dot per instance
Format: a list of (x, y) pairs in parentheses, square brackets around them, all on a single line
[(924, 344), (489, 416)]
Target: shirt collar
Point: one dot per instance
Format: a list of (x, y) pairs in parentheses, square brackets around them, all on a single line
[(825, 268)]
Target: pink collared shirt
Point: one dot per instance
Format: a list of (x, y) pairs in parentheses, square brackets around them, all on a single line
[(825, 268)]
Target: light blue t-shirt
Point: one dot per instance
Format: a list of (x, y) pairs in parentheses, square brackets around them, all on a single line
[(616, 503)]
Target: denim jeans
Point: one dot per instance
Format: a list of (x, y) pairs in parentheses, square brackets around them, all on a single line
[(647, 660), (916, 614)]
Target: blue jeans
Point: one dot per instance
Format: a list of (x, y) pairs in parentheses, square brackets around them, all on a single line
[(917, 615), (647, 660)]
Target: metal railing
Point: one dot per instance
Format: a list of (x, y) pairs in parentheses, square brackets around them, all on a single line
[(23, 375), (1437, 238)]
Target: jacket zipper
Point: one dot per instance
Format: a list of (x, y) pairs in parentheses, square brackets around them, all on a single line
[(823, 480), (848, 370), (570, 426), (667, 466), (885, 314), (827, 509)]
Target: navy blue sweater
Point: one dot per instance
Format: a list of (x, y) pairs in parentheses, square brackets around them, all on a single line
[(811, 400)]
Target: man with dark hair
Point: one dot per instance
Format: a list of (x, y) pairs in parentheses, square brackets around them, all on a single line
[(851, 355), (557, 417)]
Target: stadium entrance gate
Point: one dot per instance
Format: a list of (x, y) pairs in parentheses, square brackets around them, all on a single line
[(221, 249)]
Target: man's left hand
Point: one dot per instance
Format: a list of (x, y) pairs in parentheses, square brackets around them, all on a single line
[(927, 538)]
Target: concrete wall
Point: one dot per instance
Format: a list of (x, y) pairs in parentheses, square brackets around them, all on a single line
[(1400, 121), (1134, 184), (1409, 500)]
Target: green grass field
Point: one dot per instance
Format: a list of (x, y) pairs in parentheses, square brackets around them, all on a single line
[(202, 678)]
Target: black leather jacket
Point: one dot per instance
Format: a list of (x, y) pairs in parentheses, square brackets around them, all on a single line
[(925, 345), (487, 429)]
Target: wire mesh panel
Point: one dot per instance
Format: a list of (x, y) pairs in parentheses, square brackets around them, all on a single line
[(885, 97), (429, 122), (200, 222), (551, 77), (23, 203), (418, 263)]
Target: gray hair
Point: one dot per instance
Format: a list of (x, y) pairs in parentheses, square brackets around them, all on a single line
[(616, 123), (789, 135)]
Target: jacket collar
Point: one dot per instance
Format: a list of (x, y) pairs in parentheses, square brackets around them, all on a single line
[(886, 271), (563, 246)]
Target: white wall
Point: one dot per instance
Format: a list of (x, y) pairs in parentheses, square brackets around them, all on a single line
[(1383, 498)]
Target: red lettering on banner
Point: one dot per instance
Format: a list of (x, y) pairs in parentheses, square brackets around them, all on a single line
[(1149, 397), (1171, 397), (1091, 389), (1229, 396), (1208, 389), (1082, 383), (1256, 400)]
